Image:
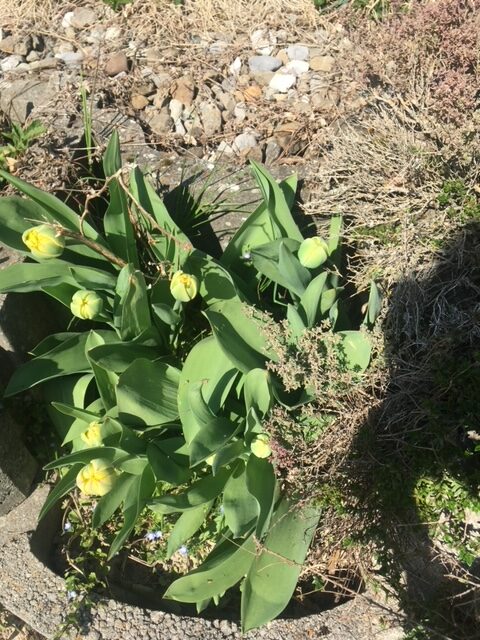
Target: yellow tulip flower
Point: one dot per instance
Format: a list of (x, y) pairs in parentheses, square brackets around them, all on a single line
[(86, 305), (92, 436), (313, 252), (43, 242), (261, 446), (96, 478), (183, 287)]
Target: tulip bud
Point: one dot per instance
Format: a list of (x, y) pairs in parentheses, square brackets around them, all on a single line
[(43, 242), (183, 286), (92, 436), (313, 252), (96, 478), (260, 446), (86, 305)]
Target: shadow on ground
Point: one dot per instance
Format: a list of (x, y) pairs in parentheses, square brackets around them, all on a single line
[(415, 469)]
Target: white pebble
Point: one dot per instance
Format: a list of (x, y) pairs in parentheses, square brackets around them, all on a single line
[(282, 82)]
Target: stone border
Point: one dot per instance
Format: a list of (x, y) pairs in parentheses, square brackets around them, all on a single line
[(31, 591)]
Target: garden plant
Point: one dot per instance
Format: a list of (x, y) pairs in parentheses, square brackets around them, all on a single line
[(163, 383)]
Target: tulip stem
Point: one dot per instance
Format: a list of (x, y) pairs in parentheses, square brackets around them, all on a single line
[(93, 245)]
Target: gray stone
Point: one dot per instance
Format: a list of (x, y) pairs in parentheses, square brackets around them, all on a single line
[(322, 63), (245, 141), (10, 62), (297, 52), (117, 63), (71, 58), (264, 63), (18, 98), (297, 67), (282, 82), (82, 17), (160, 122), (211, 118), (14, 44)]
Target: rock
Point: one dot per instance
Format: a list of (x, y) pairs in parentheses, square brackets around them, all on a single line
[(218, 47), (282, 82), (10, 62), (298, 67), (252, 93), (235, 67), (117, 63), (263, 78), (67, 20), (211, 118), (322, 63), (263, 41), (113, 33), (33, 56), (162, 80), (283, 56), (139, 102), (244, 142), (285, 136), (240, 112), (82, 17), (298, 52), (70, 58), (227, 101), (272, 151), (183, 90), (18, 46), (176, 109), (160, 122), (263, 63)]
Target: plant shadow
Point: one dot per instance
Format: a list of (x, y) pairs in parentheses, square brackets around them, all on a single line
[(413, 464)]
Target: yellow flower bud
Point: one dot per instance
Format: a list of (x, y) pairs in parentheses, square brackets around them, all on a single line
[(93, 435), (313, 252), (96, 478), (261, 446), (86, 305), (183, 286), (43, 242)]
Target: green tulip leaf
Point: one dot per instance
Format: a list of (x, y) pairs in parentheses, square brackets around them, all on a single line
[(258, 391), (274, 573), (131, 306), (224, 567), (186, 526), (64, 486), (167, 467), (111, 501), (240, 507), (262, 484), (216, 433), (147, 393), (199, 493), (357, 349)]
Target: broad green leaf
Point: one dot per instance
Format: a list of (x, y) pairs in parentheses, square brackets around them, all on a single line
[(106, 380), (215, 282), (118, 356), (274, 573), (80, 414), (289, 189), (16, 216), (62, 292), (295, 321), (169, 242), (64, 486), (81, 421), (133, 464), (357, 349), (140, 490), (334, 247), (55, 209), (227, 454), (212, 437), (239, 336), (297, 276), (258, 391), (147, 393), (85, 456), (65, 359), (207, 364), (374, 305), (240, 506), (224, 567), (118, 227), (262, 484), (90, 278), (310, 300), (51, 341), (199, 493), (186, 526), (71, 390), (131, 307), (276, 203), (328, 299), (110, 502), (25, 277), (165, 467)]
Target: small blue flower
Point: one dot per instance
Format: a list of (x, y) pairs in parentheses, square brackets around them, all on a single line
[(183, 551), (246, 255), (150, 537), (222, 509), (158, 535), (67, 526), (71, 595)]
